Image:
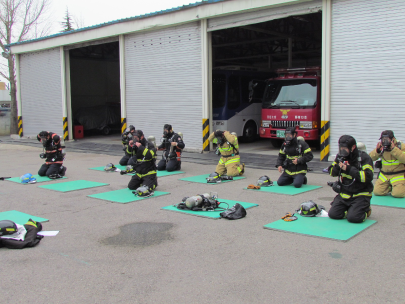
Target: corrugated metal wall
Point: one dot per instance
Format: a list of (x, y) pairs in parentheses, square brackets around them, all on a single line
[(264, 15), (367, 70), (41, 92), (163, 82)]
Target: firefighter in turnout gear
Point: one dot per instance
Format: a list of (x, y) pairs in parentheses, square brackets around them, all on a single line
[(293, 157), (172, 146), (53, 155), (354, 168), (392, 165), (228, 147), (145, 166), (126, 137)]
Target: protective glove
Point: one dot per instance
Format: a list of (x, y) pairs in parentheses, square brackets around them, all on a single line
[(251, 186)]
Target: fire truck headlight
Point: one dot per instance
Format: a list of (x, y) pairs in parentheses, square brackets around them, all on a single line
[(305, 124), (266, 124)]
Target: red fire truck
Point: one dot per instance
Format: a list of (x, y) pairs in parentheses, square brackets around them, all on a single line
[(292, 99)]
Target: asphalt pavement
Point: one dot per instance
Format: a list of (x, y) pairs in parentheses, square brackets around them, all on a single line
[(138, 253)]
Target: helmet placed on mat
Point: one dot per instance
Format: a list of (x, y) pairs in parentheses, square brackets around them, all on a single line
[(129, 169), (264, 181), (28, 179), (309, 208), (214, 178), (143, 191), (7, 227), (109, 167)]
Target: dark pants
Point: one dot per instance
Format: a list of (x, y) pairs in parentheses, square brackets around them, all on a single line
[(149, 181), (171, 165), (297, 180), (127, 160), (47, 170), (356, 208)]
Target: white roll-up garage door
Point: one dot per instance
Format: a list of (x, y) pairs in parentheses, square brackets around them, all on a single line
[(163, 82), (367, 70), (41, 92), (264, 15)]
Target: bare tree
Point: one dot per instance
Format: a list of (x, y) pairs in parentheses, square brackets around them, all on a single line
[(19, 21), (79, 21)]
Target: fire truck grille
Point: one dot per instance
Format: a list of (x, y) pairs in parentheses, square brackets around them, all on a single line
[(283, 124)]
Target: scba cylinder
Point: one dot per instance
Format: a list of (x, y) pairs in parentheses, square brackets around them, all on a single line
[(196, 200)]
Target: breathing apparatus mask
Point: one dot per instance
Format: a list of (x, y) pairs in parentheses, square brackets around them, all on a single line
[(386, 142), (43, 135), (219, 135), (289, 136), (343, 154), (167, 131), (346, 143)]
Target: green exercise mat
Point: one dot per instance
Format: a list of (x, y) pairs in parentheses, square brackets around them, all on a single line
[(289, 190), (324, 227), (388, 201), (73, 185), (40, 179), (102, 168), (20, 217), (203, 179), (211, 214), (123, 196), (159, 173), (165, 173)]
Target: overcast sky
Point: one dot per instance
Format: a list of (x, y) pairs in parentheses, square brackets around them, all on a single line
[(91, 12)]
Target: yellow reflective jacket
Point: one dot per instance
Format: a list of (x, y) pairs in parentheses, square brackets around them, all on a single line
[(392, 161), (231, 146)]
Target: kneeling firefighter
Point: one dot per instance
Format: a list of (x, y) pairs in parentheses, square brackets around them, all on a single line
[(53, 155), (293, 157), (392, 165), (145, 166), (126, 137), (228, 147), (355, 171), (172, 146)]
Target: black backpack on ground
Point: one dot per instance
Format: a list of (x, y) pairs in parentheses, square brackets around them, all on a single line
[(234, 213)]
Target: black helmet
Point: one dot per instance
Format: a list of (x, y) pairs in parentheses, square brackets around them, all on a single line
[(309, 209), (109, 167), (43, 134), (264, 181), (131, 128), (7, 227), (214, 178)]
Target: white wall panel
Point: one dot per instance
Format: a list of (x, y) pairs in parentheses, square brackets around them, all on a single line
[(41, 92), (163, 82), (367, 60)]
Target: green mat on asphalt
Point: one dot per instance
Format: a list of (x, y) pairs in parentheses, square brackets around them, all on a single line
[(73, 185), (159, 173), (290, 189), (324, 227), (203, 179), (388, 201), (165, 173), (102, 168), (123, 196), (40, 179), (20, 217), (212, 214)]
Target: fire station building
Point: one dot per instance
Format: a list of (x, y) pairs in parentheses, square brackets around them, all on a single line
[(158, 68)]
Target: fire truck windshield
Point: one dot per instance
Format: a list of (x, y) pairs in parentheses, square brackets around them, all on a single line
[(290, 93)]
